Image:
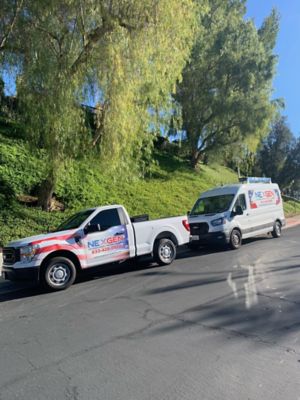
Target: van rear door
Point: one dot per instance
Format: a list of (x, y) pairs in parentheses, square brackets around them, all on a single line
[(263, 202)]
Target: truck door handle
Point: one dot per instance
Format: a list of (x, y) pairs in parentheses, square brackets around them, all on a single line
[(118, 233)]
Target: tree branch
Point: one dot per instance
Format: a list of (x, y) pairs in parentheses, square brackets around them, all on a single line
[(12, 24), (92, 38)]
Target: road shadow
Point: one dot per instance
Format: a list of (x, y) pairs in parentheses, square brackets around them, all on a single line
[(19, 290), (244, 308)]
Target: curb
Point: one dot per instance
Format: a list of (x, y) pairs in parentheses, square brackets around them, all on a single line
[(292, 221)]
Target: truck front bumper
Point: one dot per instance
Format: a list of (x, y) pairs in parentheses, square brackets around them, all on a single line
[(20, 274)]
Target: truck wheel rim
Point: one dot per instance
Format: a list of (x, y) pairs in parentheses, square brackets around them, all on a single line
[(166, 252), (59, 274)]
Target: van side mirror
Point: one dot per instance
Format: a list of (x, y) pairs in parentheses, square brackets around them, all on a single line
[(238, 210), (92, 228)]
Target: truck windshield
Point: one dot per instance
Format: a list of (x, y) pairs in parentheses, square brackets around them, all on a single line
[(75, 221), (212, 205)]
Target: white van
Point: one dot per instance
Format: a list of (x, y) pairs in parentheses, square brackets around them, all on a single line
[(230, 213)]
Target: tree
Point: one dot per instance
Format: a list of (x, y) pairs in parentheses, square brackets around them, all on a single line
[(275, 150), (10, 11), (131, 52), (226, 86), (290, 173)]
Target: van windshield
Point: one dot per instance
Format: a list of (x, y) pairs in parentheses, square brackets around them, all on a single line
[(212, 205)]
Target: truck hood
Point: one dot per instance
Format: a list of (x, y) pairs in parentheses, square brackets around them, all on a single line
[(63, 235)]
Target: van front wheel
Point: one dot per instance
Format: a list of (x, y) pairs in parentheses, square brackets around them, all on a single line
[(235, 239), (276, 233)]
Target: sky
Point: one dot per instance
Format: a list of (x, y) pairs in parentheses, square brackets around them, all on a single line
[(287, 81)]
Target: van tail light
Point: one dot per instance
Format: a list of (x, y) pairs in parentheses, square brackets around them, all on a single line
[(186, 225)]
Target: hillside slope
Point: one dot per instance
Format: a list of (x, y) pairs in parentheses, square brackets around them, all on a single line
[(171, 189)]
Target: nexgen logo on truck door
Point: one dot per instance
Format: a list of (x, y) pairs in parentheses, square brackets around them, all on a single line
[(114, 239), (111, 243)]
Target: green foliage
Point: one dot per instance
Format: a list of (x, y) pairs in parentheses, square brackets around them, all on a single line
[(226, 87), (275, 151), (290, 172), (132, 52), (19, 168), (171, 190), (17, 221), (291, 207)]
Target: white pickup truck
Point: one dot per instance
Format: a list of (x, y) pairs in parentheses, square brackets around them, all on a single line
[(90, 238)]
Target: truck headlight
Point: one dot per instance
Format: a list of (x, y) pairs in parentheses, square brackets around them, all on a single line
[(27, 253), (219, 221)]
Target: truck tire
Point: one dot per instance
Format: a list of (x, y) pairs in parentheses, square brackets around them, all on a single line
[(276, 232), (164, 252), (58, 274), (235, 239)]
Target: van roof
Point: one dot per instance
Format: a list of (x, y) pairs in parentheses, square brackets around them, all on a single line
[(234, 188)]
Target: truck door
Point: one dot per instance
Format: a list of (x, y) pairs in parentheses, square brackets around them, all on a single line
[(106, 238), (242, 220)]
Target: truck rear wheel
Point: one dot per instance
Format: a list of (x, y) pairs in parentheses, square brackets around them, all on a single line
[(164, 251), (58, 274)]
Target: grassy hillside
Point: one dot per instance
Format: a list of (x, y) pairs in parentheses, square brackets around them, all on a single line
[(171, 189)]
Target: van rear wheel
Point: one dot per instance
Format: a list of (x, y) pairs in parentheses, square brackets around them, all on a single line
[(235, 239), (276, 233)]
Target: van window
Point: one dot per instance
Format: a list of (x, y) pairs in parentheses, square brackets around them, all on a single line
[(240, 201)]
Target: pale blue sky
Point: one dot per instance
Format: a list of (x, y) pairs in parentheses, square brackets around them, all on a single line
[(287, 81)]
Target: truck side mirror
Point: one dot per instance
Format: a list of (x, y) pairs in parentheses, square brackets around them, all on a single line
[(188, 213), (91, 228)]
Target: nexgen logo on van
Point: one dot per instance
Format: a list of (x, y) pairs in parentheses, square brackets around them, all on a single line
[(260, 198)]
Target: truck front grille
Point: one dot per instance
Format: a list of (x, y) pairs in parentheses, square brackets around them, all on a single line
[(200, 228), (11, 255)]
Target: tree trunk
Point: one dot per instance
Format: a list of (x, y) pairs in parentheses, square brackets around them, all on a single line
[(45, 192), (195, 158)]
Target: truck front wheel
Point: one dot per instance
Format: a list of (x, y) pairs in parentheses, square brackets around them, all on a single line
[(164, 251), (58, 274)]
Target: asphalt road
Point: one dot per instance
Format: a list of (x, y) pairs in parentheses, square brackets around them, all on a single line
[(213, 325)]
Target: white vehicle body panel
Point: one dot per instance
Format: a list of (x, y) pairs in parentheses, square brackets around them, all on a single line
[(263, 206), (147, 231), (116, 243)]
